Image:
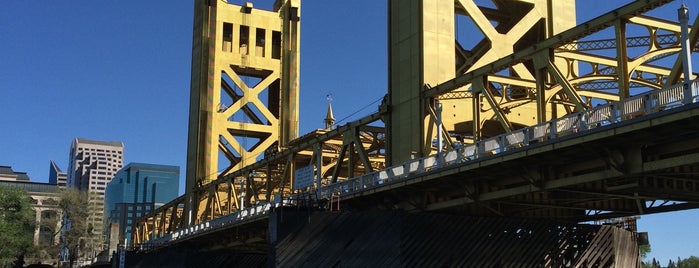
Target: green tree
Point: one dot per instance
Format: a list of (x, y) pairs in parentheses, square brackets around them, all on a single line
[(17, 222), (644, 250), (47, 248), (76, 230), (652, 264), (671, 264), (691, 262)]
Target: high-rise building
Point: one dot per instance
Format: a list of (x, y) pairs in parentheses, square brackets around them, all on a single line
[(93, 164), (57, 176), (136, 190)]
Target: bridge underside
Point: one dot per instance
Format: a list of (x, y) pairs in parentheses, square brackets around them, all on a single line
[(240, 245), (645, 165), (399, 239)]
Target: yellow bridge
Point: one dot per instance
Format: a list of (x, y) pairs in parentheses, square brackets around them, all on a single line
[(540, 119)]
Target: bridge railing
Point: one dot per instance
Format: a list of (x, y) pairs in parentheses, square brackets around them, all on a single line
[(246, 214), (599, 116)]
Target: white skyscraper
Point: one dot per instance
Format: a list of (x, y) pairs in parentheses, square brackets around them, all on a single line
[(91, 166)]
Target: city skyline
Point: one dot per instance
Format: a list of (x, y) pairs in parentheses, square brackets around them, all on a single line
[(134, 67)]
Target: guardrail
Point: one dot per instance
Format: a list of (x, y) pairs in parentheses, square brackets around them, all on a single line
[(603, 115), (241, 216)]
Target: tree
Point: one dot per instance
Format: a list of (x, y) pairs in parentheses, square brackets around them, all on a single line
[(17, 222), (652, 264), (671, 264), (47, 248), (644, 250), (691, 262), (75, 228)]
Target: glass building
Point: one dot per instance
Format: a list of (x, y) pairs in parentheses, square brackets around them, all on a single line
[(57, 176), (136, 189)]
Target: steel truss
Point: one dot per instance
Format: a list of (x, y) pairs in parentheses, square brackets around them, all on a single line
[(340, 153)]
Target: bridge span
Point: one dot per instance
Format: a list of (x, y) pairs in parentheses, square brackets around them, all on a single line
[(520, 141), (632, 157)]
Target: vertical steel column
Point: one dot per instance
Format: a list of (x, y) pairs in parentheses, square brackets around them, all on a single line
[(291, 32), (200, 109), (683, 15), (318, 148), (421, 52), (623, 76)]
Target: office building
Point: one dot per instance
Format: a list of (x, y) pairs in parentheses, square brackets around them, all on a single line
[(57, 176), (136, 190), (91, 165)]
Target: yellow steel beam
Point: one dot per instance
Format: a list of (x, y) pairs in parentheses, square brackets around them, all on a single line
[(596, 24), (608, 61), (514, 81), (655, 23), (622, 58), (479, 87), (503, 44), (560, 78)]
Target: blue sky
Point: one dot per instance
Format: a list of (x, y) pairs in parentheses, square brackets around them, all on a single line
[(119, 71)]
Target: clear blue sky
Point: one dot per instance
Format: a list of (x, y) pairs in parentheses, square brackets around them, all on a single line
[(119, 71)]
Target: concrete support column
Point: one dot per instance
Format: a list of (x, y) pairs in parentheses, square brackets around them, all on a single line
[(37, 229)]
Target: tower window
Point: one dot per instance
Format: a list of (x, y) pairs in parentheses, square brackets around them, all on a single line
[(227, 37), (244, 39)]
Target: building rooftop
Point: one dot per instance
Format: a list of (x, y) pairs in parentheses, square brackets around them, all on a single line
[(155, 167), (7, 172), (32, 187), (107, 143), (55, 166)]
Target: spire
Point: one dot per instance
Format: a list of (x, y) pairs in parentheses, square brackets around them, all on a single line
[(329, 119)]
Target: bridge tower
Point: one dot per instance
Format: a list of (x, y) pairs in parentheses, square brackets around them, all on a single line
[(244, 89), (424, 51)]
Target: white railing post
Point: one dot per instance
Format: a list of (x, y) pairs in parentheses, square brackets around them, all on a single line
[(525, 139), (439, 133)]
